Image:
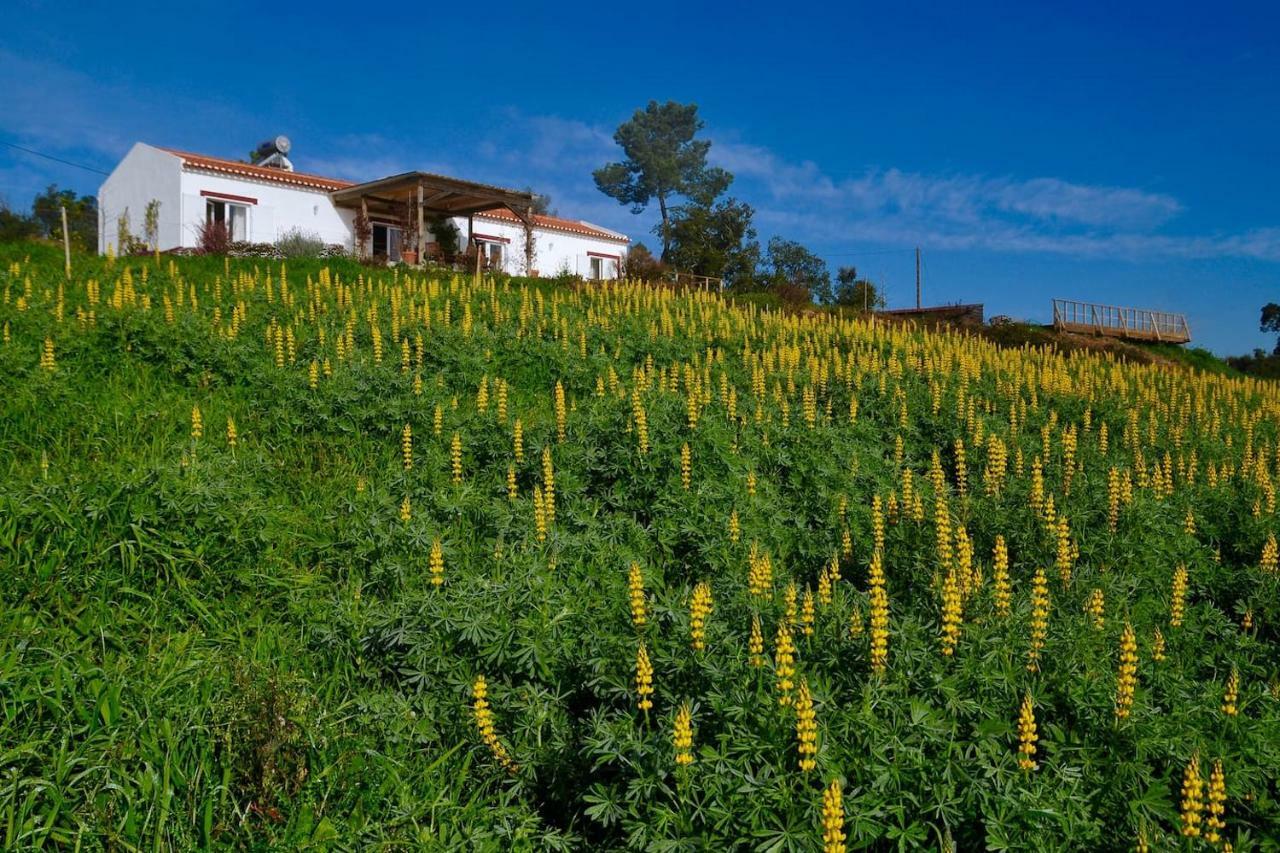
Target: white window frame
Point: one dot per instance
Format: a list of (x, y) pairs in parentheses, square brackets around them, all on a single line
[(231, 214), (494, 253), (395, 240)]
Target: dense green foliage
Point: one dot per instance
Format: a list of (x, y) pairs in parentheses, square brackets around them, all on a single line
[(217, 645)]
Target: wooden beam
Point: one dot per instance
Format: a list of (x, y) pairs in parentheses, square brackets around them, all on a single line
[(528, 240), (421, 225), (364, 213)]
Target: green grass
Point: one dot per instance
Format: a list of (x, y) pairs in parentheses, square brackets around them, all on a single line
[(205, 647)]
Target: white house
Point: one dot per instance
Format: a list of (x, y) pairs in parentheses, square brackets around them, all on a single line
[(261, 202)]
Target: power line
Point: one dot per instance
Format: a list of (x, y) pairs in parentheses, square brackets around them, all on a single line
[(867, 253), (53, 158)]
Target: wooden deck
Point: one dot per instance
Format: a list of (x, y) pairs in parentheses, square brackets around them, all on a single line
[(1136, 324)]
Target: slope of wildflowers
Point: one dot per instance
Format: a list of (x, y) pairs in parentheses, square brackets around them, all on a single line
[(336, 555)]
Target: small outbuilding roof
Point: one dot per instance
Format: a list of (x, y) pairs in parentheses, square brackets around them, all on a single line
[(555, 223)]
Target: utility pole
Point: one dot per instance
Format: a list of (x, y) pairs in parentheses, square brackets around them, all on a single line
[(66, 243), (917, 278)]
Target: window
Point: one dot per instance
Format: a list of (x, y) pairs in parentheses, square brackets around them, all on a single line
[(493, 253), (234, 217), (602, 266), (386, 242)]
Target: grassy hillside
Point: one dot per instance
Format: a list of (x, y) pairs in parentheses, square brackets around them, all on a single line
[(321, 554)]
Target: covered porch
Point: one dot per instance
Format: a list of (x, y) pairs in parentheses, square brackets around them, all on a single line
[(392, 214)]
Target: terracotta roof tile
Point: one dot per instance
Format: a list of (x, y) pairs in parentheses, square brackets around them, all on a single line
[(555, 223), (248, 170)]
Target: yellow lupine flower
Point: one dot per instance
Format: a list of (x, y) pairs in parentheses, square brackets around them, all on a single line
[(682, 736), (644, 678), (806, 727), (833, 819), (1027, 734)]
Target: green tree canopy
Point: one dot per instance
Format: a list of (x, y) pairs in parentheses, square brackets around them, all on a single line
[(715, 238), (1271, 321), (795, 265), (857, 292), (82, 216), (663, 160)]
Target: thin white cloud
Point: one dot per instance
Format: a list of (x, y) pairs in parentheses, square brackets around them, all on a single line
[(1003, 214)]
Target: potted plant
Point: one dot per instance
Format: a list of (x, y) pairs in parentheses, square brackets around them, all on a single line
[(409, 235)]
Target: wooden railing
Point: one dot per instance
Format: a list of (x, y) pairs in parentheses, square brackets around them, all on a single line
[(1113, 321), (701, 282)]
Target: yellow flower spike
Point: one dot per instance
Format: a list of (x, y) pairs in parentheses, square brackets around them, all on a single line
[(1000, 577), (437, 563), (635, 587), (1214, 823), (784, 669), (879, 617), (455, 457), (561, 415), (483, 716), (1157, 645), (806, 727), (406, 510), (1178, 597), (1027, 734), (1269, 562), (699, 609), (682, 735), (755, 645), (1094, 607), (1127, 677), (232, 436), (197, 423), (1039, 618), (833, 819), (406, 447), (807, 613), (1231, 693), (1192, 798), (686, 466), (951, 614), (644, 678)]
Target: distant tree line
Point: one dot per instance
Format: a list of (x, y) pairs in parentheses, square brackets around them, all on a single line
[(1260, 362), (704, 230), (45, 219)]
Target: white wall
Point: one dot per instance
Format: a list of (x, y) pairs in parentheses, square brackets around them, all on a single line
[(554, 251), (145, 173), (278, 209)]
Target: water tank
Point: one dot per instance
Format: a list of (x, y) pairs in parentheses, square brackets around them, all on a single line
[(276, 145)]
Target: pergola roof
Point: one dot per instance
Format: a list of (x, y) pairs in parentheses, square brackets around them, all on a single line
[(440, 195)]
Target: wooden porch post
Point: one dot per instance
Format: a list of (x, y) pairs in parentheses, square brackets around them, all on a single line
[(475, 244), (421, 238), (364, 213), (528, 241)]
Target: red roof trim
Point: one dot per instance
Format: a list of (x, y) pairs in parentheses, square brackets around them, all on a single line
[(603, 256), (248, 170), (228, 197), (489, 238)]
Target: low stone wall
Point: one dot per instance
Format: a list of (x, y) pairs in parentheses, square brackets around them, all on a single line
[(959, 315)]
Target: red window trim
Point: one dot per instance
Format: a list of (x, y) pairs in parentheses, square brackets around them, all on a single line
[(228, 197), (604, 256), (489, 238)]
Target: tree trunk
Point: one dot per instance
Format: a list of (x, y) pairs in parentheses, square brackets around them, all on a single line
[(666, 226)]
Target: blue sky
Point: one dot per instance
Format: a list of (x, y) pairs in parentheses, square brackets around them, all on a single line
[(1120, 152)]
